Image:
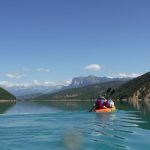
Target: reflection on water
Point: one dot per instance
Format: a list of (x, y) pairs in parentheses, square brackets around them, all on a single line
[(121, 130), (45, 107), (5, 106), (26, 106), (142, 105), (67, 105), (141, 112)]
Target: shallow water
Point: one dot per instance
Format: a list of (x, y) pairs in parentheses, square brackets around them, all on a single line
[(69, 126)]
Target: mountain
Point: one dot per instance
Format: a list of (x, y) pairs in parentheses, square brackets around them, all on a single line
[(89, 80), (139, 86), (135, 91), (28, 91), (86, 92), (5, 95)]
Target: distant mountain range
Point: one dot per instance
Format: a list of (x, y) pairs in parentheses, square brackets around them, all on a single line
[(82, 93), (33, 91)]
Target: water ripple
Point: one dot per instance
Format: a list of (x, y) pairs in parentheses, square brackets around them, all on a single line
[(118, 132)]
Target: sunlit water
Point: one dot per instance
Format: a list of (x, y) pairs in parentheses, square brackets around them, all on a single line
[(70, 126)]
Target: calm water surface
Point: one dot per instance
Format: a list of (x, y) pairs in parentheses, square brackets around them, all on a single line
[(69, 126)]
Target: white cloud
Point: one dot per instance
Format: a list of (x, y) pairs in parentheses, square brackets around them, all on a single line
[(7, 84), (122, 75), (50, 83), (64, 82), (15, 75), (36, 82), (43, 70), (67, 82), (125, 75), (134, 75), (93, 67), (43, 83)]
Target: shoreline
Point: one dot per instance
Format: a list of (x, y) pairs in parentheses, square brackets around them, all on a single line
[(6, 101), (64, 100)]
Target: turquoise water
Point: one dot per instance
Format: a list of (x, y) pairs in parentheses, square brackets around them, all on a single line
[(69, 126)]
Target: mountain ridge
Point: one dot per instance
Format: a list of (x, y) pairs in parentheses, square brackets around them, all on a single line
[(139, 86), (86, 92), (6, 96), (89, 80)]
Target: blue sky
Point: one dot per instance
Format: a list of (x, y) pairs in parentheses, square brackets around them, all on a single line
[(48, 41)]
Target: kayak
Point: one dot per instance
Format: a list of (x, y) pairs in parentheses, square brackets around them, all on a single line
[(105, 109)]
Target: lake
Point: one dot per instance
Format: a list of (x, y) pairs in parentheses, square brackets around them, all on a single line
[(70, 126)]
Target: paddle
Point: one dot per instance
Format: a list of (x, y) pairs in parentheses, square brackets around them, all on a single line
[(92, 108), (108, 90), (112, 92)]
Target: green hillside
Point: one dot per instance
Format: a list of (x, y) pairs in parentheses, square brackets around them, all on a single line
[(88, 92), (140, 84), (5, 95)]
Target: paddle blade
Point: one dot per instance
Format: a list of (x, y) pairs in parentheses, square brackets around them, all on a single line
[(108, 90)]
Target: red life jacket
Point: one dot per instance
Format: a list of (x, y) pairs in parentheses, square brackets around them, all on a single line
[(106, 104), (99, 104)]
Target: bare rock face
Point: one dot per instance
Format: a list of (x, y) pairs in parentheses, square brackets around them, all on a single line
[(140, 98), (89, 80)]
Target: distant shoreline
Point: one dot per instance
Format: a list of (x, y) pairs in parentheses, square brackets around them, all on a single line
[(6, 101), (64, 100)]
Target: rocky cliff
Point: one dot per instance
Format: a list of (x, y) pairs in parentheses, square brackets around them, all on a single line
[(89, 80)]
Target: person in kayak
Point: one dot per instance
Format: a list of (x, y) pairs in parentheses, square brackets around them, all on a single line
[(108, 103), (111, 103), (99, 104)]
